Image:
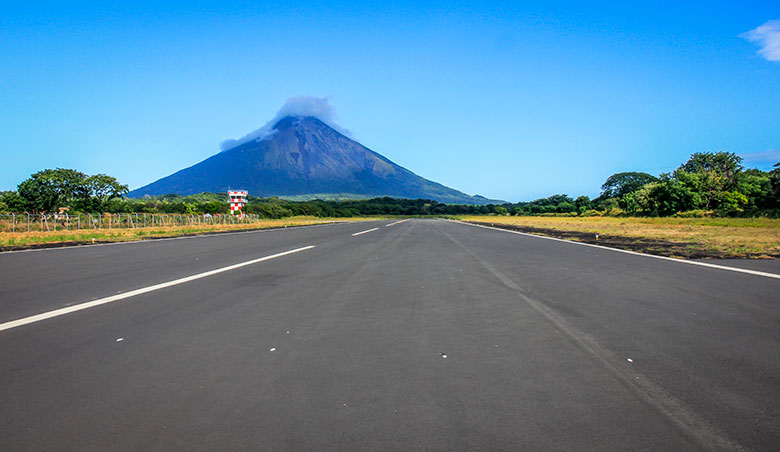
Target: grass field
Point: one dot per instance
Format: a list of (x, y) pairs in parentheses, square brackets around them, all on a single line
[(16, 240), (676, 237)]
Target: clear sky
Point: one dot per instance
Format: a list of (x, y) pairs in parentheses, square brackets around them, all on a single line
[(514, 100)]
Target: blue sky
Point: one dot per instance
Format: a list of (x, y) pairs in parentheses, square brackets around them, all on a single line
[(507, 100)]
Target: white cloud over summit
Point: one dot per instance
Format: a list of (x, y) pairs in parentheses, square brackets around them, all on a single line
[(318, 107), (768, 38)]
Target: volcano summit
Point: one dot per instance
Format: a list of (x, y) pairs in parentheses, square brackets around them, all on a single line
[(303, 156)]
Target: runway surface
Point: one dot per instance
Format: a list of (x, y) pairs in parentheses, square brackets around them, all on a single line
[(418, 335)]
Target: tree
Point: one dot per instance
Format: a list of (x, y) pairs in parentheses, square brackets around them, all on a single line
[(727, 164), (49, 189), (608, 204), (756, 185), (669, 195), (641, 200), (619, 184), (630, 203), (582, 204), (12, 201), (214, 207), (774, 175), (710, 174), (104, 188), (732, 201), (565, 207)]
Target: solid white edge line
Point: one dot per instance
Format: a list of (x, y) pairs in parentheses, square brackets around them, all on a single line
[(198, 236), (143, 290), (364, 232), (636, 253)]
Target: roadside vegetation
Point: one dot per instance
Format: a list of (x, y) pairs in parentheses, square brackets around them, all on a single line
[(20, 240), (709, 206), (707, 185), (673, 236)]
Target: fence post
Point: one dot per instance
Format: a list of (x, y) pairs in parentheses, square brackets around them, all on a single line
[(13, 222)]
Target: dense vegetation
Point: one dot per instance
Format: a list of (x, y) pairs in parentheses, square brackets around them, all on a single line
[(708, 183), (50, 189)]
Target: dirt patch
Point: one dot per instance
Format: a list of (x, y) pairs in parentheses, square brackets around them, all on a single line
[(684, 250)]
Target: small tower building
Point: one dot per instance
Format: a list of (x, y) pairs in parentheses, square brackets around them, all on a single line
[(237, 199)]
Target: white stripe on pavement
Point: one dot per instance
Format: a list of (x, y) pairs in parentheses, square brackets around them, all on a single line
[(132, 293), (397, 222), (701, 264), (363, 232)]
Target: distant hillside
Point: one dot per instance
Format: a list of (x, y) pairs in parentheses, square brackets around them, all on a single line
[(305, 158)]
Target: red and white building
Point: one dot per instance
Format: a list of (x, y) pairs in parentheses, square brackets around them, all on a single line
[(237, 200)]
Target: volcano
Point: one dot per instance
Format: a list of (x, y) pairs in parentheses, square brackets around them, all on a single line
[(304, 157)]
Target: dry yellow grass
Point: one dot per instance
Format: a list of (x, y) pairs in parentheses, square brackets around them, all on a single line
[(25, 239), (736, 237)]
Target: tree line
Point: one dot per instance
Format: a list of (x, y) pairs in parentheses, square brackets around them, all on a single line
[(706, 184), (48, 190)]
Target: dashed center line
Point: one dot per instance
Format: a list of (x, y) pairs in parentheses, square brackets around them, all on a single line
[(143, 290), (397, 222), (364, 232)]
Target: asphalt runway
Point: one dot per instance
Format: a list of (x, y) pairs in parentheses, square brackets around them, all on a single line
[(420, 335)]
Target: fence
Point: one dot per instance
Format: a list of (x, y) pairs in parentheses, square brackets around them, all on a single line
[(65, 222)]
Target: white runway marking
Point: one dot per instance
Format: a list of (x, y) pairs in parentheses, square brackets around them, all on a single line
[(132, 293), (364, 232), (397, 222), (701, 264)]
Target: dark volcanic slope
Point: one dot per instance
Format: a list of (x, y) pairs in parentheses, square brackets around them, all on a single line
[(304, 156)]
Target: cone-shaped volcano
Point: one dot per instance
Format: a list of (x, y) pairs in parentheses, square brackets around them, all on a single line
[(304, 156)]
